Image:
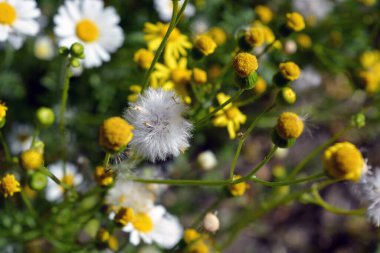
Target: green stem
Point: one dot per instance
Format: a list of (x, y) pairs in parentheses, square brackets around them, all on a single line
[(247, 101), (7, 153), (65, 92), (220, 107), (160, 49), (315, 152), (106, 159), (55, 179), (181, 11), (35, 135), (28, 205), (289, 182), (263, 162), (244, 138)]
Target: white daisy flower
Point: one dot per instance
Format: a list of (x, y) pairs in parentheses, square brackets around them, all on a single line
[(130, 194), (17, 20), (369, 191), (160, 129), (156, 226), (54, 192), (44, 48), (88, 22), (164, 9), (20, 138)]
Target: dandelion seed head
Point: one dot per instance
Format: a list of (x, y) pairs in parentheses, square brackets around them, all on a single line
[(160, 129)]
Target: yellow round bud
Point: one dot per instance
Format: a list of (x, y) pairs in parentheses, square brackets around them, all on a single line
[(244, 64), (31, 159), (3, 111), (218, 35), (369, 81), (304, 40), (190, 235), (124, 216), (115, 133), (261, 86), (264, 14), (199, 76), (255, 36), (102, 235), (238, 189), (289, 125), (198, 247), (143, 58), (103, 177), (344, 161), (295, 21), (205, 44), (289, 70), (286, 96), (9, 185)]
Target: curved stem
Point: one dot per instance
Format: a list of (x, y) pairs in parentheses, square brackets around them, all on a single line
[(315, 152), (7, 153), (160, 49), (66, 85), (106, 159), (55, 179), (220, 107), (263, 162), (289, 182), (244, 138)]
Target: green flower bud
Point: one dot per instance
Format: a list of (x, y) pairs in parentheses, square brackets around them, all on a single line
[(280, 142), (247, 83), (77, 49), (75, 62), (38, 181), (45, 116), (63, 51), (2, 122), (358, 120), (286, 96)]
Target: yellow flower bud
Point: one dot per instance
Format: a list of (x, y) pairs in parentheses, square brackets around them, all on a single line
[(255, 36), (286, 96), (244, 64), (9, 185), (190, 235), (289, 70), (199, 76), (304, 40), (264, 14), (261, 86), (124, 216), (289, 125), (102, 235), (218, 35), (3, 110), (143, 58), (115, 133), (344, 161), (103, 177), (239, 189), (31, 159), (295, 21), (205, 45)]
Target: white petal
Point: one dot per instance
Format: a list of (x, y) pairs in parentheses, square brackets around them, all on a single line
[(102, 53), (134, 238), (157, 213), (91, 9), (4, 32), (29, 27), (17, 41), (146, 238), (73, 10), (167, 232)]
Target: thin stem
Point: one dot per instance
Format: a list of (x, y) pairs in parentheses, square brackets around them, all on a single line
[(55, 179), (248, 101), (181, 11), (28, 205), (160, 49), (5, 147), (66, 85), (106, 159), (315, 152), (289, 182), (263, 162), (266, 49), (35, 135), (220, 107), (244, 138)]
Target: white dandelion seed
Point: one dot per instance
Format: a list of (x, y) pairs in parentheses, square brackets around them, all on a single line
[(160, 129)]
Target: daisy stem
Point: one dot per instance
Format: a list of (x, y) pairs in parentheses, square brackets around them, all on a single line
[(5, 147), (28, 205), (315, 152), (333, 209), (56, 180), (65, 91), (244, 138), (35, 135), (160, 49), (220, 107)]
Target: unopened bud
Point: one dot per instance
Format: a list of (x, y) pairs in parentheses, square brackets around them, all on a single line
[(211, 223), (45, 116)]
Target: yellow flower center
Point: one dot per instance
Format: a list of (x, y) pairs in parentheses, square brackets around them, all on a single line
[(8, 14), (9, 185), (87, 30), (173, 35), (68, 179), (244, 64), (31, 159), (289, 125), (124, 216), (205, 45), (180, 76), (143, 223), (115, 133), (290, 70)]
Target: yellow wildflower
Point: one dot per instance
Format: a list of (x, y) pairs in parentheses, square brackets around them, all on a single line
[(143, 58), (369, 58), (289, 70), (205, 45), (230, 116), (135, 90), (198, 247), (115, 133), (103, 177), (264, 14), (344, 161), (9, 185), (295, 21), (239, 189), (31, 159), (304, 40), (191, 235), (218, 35), (255, 36), (289, 126), (261, 86), (3, 111), (199, 76), (244, 64), (368, 2)]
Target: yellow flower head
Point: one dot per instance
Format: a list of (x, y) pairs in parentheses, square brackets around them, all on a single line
[(369, 58), (295, 21), (199, 76), (239, 189), (103, 177), (368, 2), (244, 64), (264, 14), (31, 159), (113, 243), (115, 133), (370, 82), (198, 247), (143, 58), (230, 116), (261, 86), (3, 110), (344, 161), (9, 185), (255, 36), (191, 235), (218, 35), (124, 216), (287, 96), (102, 235), (304, 40), (289, 70), (135, 90), (289, 125), (205, 44)]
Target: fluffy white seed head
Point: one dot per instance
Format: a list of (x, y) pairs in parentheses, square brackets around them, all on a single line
[(160, 129)]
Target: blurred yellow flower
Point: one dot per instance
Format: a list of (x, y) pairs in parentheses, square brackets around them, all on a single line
[(103, 177), (115, 133), (205, 45), (239, 189), (143, 58), (264, 14), (191, 235), (295, 21), (261, 86), (218, 35), (230, 116), (255, 36), (199, 76), (3, 110), (289, 70), (135, 90), (31, 159), (9, 185)]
